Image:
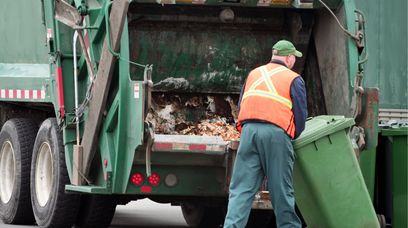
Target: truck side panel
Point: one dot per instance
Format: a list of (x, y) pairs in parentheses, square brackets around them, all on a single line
[(387, 44), (23, 34)]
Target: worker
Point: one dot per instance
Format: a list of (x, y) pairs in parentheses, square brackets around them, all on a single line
[(273, 110)]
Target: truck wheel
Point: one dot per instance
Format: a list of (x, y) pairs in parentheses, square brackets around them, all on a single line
[(201, 216), (51, 206), (96, 211), (16, 143)]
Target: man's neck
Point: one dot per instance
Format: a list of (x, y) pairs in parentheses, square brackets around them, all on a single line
[(278, 62)]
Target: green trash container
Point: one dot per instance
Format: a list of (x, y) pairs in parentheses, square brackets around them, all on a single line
[(329, 187), (398, 138)]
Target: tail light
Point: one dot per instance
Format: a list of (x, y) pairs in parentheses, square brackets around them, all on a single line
[(137, 179), (154, 179)]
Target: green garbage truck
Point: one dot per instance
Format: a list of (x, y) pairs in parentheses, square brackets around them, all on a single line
[(105, 102)]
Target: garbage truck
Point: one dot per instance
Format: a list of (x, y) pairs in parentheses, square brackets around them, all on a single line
[(105, 102)]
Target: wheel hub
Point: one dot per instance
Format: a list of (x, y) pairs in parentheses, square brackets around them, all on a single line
[(44, 174), (7, 171)]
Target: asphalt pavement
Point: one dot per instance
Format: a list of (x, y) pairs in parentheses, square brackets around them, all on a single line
[(145, 213), (141, 214)]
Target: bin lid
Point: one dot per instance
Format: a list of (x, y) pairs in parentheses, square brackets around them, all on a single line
[(320, 126), (395, 131)]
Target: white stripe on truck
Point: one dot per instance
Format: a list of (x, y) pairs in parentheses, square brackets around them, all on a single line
[(20, 94)]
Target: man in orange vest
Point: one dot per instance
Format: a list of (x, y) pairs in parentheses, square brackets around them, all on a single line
[(273, 110)]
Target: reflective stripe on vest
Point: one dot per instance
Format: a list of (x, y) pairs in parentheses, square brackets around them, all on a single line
[(271, 93), (267, 97)]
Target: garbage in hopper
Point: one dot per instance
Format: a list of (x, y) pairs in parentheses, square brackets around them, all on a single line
[(194, 115)]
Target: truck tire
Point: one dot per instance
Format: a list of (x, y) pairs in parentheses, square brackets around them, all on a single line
[(197, 215), (16, 144), (96, 211), (52, 207)]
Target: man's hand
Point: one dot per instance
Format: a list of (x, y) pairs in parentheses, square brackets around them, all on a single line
[(238, 126)]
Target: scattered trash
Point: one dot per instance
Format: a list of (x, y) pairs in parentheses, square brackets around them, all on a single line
[(194, 115), (172, 84), (211, 128)]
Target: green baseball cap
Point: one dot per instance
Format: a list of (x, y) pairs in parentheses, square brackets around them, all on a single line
[(284, 47)]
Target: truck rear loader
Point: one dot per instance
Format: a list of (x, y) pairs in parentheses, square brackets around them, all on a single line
[(104, 102)]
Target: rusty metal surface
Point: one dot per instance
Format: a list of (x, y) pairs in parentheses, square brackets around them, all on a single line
[(192, 50), (369, 118), (332, 59)]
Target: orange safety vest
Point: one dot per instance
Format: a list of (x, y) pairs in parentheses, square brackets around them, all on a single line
[(267, 97)]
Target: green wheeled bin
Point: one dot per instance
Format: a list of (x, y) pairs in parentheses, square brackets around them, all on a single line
[(399, 150), (329, 187)]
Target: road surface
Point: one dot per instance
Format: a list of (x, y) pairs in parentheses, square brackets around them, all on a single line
[(145, 213), (141, 214)]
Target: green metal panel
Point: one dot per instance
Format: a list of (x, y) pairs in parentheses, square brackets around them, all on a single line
[(207, 55), (121, 134), (87, 189), (23, 80), (130, 120), (352, 54), (24, 68), (23, 34), (387, 45), (192, 181)]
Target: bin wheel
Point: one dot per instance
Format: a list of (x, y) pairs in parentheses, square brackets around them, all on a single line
[(16, 144), (197, 215), (52, 207), (96, 211), (382, 221)]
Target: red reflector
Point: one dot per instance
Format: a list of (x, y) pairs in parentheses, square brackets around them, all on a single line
[(146, 189), (154, 179), (163, 146), (137, 179), (197, 147), (60, 92)]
